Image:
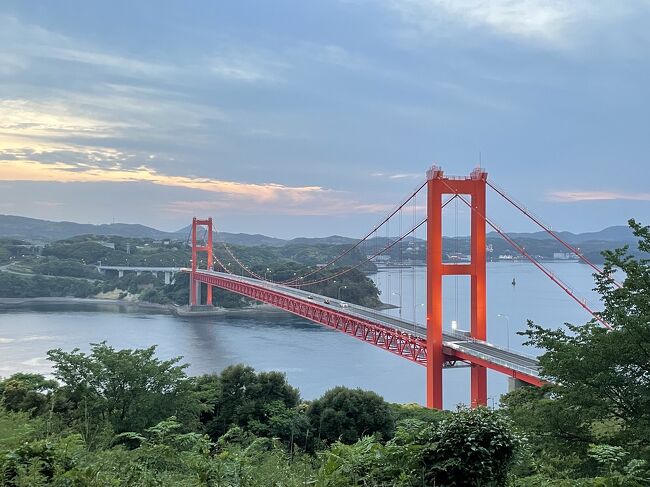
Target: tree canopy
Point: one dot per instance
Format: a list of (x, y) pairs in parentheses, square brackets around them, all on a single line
[(127, 389), (599, 379), (348, 414)]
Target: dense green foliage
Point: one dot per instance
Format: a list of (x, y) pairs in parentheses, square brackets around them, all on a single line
[(126, 390), (126, 417), (20, 286), (52, 266), (91, 249), (594, 416), (11, 248), (26, 392), (260, 403), (349, 414)]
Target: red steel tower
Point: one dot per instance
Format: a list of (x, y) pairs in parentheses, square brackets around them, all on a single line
[(438, 185), (195, 286)]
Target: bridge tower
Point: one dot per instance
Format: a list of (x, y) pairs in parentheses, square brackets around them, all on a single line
[(438, 185), (195, 285)]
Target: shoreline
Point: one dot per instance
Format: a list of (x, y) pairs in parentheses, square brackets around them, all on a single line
[(26, 303)]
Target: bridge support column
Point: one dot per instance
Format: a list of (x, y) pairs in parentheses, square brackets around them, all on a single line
[(478, 284), (198, 288), (437, 186), (168, 277), (195, 286), (120, 274), (435, 356)]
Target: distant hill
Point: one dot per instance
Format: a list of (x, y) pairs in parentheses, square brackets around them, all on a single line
[(333, 240), (618, 233), (247, 239), (251, 239), (33, 229)]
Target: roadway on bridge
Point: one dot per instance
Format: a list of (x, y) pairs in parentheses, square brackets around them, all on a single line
[(459, 341)]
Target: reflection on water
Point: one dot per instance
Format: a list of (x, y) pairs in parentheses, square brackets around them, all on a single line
[(313, 357)]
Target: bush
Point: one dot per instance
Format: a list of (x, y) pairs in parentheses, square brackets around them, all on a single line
[(348, 414), (470, 447), (260, 402)]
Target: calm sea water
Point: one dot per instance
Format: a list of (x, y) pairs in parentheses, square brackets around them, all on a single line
[(314, 358)]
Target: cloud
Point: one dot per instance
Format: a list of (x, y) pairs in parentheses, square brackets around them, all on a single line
[(235, 71), (237, 197), (548, 22), (237, 63), (51, 119), (577, 196), (406, 175), (31, 42), (331, 54), (81, 125), (48, 204), (329, 204), (82, 173)]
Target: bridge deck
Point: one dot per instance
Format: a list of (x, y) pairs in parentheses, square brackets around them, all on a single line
[(408, 339)]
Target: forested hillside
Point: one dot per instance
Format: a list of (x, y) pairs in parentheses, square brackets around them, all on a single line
[(69, 268)]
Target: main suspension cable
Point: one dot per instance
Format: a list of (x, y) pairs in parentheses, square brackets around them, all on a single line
[(299, 281), (565, 287), (348, 269), (548, 230), (350, 249), (242, 265), (379, 252)]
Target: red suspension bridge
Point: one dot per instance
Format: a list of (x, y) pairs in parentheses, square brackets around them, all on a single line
[(428, 343)]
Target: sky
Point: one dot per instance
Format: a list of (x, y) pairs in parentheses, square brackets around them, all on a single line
[(294, 118)]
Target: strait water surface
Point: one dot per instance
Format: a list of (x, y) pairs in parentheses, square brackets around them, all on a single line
[(314, 358)]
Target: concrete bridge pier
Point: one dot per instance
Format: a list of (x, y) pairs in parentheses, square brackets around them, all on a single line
[(514, 384), (168, 272), (197, 293)]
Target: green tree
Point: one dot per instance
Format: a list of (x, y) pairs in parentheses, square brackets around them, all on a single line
[(26, 392), (599, 390), (241, 397), (128, 389), (348, 414), (471, 447), (468, 448)]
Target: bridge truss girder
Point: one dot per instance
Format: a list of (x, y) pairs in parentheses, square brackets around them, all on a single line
[(395, 341)]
